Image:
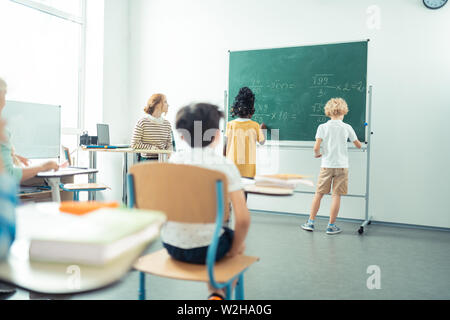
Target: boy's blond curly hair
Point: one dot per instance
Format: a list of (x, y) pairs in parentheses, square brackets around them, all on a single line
[(336, 107)]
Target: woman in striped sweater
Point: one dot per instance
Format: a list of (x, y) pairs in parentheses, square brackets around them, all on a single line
[(153, 132)]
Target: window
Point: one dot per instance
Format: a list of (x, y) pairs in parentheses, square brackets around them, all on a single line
[(42, 57), (73, 7)]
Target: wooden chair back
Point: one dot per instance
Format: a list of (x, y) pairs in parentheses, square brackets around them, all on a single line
[(184, 193)]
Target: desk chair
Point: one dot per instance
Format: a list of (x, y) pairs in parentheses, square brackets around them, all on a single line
[(77, 188), (192, 195)]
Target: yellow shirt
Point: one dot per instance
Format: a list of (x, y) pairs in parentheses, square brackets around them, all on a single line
[(243, 134)]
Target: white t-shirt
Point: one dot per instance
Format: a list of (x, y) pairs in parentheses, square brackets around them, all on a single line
[(196, 235), (335, 134)]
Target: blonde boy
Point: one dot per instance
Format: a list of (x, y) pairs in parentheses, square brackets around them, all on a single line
[(333, 137)]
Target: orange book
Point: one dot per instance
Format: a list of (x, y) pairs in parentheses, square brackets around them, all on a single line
[(81, 208)]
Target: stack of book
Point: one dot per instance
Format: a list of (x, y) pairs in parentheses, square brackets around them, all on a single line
[(286, 181), (95, 238)]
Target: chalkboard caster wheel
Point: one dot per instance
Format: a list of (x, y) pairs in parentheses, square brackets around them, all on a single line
[(365, 223)]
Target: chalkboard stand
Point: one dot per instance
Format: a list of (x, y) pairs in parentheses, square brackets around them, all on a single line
[(368, 219)]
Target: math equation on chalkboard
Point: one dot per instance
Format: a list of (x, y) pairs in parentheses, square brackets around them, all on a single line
[(323, 87)]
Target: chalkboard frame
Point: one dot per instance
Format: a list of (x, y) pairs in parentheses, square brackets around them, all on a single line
[(302, 143)]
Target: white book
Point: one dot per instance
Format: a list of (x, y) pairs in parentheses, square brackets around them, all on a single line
[(94, 239), (288, 181)]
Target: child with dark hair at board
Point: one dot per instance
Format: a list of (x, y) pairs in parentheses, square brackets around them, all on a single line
[(243, 134), (198, 125), (333, 137)]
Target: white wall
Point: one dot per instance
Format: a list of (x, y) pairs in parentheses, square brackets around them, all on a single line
[(180, 48), (115, 93)]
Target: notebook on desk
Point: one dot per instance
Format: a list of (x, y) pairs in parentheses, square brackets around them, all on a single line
[(30, 190), (106, 147), (66, 172)]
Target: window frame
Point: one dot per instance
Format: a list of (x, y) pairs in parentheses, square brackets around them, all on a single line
[(53, 11)]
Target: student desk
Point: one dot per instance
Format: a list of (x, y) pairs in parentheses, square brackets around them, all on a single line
[(53, 178), (59, 278), (162, 157), (251, 188)]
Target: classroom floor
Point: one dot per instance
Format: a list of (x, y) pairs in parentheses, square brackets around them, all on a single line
[(295, 264)]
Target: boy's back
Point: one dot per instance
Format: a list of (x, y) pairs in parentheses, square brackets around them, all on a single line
[(207, 158), (333, 137), (335, 134)]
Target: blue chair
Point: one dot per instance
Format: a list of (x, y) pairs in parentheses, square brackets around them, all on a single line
[(186, 194), (77, 188)]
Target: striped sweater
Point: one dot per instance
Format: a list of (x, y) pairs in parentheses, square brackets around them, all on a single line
[(152, 134)]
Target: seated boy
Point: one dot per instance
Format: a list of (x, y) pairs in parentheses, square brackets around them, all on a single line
[(189, 242)]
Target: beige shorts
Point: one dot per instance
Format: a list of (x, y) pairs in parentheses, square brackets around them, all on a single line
[(336, 176)]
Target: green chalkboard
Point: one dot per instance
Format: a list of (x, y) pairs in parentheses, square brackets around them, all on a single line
[(292, 86)]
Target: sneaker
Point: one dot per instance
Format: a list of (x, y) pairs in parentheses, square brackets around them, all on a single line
[(308, 226), (333, 229)]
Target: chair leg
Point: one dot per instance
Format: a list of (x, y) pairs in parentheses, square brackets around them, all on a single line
[(142, 286), (240, 288), (228, 290)]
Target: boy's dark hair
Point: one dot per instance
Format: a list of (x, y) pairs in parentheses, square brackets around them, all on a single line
[(244, 103), (201, 114)]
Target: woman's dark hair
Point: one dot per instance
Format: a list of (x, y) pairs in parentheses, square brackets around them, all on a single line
[(244, 103), (204, 115)]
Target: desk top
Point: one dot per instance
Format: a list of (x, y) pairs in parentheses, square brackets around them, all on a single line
[(250, 187), (128, 150), (65, 172), (59, 278), (268, 191)]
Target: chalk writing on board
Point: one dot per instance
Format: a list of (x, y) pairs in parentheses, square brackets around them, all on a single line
[(259, 86), (281, 85), (277, 115), (359, 86), (262, 108), (319, 118), (318, 107), (323, 86), (322, 79), (321, 93), (325, 81)]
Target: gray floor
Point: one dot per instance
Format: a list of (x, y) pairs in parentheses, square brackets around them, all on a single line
[(295, 264)]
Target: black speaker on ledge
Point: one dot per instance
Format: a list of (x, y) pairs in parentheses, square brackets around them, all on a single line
[(86, 140)]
